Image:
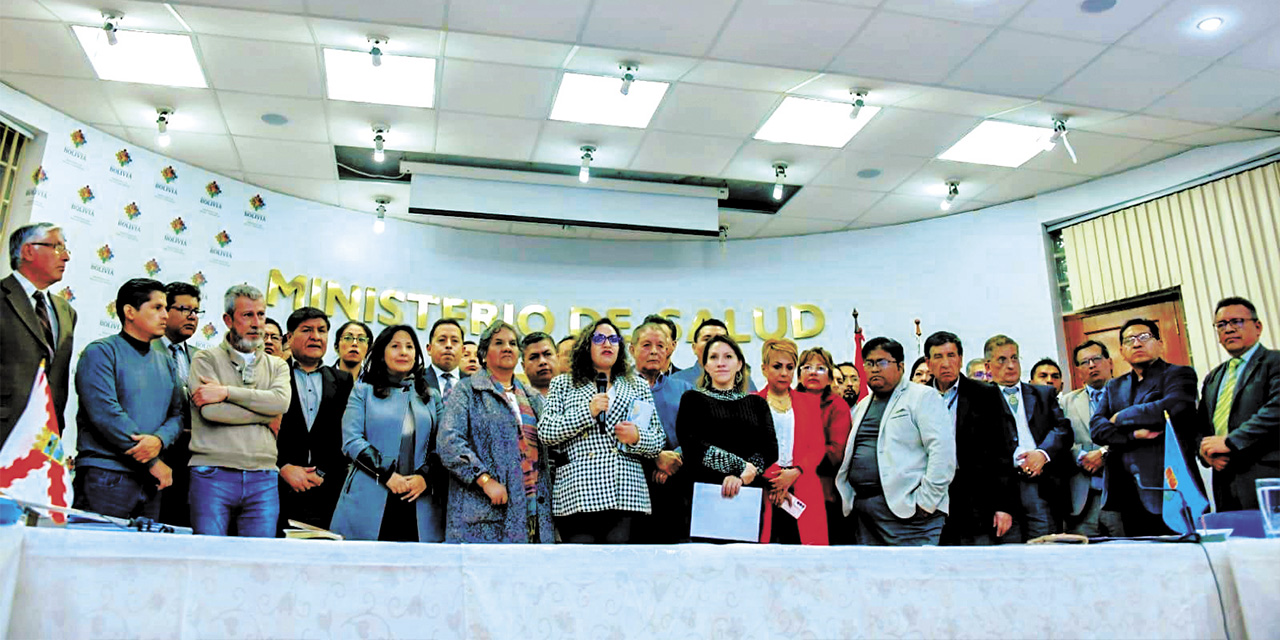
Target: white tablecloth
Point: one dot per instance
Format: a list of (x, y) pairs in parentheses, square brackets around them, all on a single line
[(79, 584)]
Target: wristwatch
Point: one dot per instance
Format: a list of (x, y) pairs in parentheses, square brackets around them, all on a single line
[(483, 479)]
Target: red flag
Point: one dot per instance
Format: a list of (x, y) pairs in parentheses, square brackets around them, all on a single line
[(33, 466), (858, 339)]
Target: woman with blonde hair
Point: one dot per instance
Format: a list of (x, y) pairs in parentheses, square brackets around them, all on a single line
[(801, 448), (815, 367)]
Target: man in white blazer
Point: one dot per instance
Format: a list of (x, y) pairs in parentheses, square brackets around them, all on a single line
[(900, 456), (1093, 367)]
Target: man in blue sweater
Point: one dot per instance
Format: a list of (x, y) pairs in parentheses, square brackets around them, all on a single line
[(130, 410)]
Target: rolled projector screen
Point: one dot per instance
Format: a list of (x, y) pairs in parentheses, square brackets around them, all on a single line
[(609, 204)]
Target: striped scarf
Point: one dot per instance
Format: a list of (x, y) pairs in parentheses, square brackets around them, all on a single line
[(528, 443)]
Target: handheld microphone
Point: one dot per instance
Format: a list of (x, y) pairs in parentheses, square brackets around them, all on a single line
[(1188, 519), (602, 386)]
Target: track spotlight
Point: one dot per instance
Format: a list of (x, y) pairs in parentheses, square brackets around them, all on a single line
[(953, 190), (162, 126), (629, 70), (588, 153), (779, 174), (379, 223), (1060, 135), (376, 52), (111, 24), (859, 101), (379, 131)]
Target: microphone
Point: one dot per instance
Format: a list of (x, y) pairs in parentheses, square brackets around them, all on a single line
[(1187, 518), (602, 386)]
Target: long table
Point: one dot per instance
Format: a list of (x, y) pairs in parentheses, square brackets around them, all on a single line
[(81, 584)]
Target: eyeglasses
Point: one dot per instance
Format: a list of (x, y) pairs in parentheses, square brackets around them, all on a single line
[(600, 338), (812, 369), (1237, 323), (59, 248), (188, 311), (1089, 362), (981, 375), (882, 363), (1133, 341), (348, 339)]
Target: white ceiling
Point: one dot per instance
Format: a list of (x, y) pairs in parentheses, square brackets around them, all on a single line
[(1139, 83)]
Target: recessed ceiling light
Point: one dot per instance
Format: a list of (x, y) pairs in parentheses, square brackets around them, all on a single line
[(275, 119), (1002, 144), (867, 174), (139, 56), (405, 81), (1097, 6), (1209, 24), (816, 123), (599, 100)]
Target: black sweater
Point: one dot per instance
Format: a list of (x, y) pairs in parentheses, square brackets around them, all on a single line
[(742, 428)]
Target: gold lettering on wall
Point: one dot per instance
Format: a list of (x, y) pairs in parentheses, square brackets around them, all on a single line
[(482, 314), (702, 314), (389, 303), (548, 321), (730, 320), (674, 316), (370, 303), (277, 286), (757, 319), (350, 304), (317, 293), (798, 312), (575, 318), (424, 303), (621, 318)]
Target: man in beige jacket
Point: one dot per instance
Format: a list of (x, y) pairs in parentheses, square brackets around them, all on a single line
[(238, 395)]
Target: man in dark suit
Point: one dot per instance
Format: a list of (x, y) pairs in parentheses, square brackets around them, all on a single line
[(34, 325), (444, 348), (984, 492), (1130, 422), (184, 312), (312, 465), (1240, 409), (1040, 442)]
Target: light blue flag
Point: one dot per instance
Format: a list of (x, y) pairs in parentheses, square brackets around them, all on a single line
[(1177, 476)]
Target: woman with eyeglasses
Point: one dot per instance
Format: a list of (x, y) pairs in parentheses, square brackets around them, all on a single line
[(351, 343), (727, 434), (602, 416), (816, 365), (387, 430), (801, 448)]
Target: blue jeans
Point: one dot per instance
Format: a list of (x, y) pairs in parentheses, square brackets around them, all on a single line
[(119, 494), (219, 494)]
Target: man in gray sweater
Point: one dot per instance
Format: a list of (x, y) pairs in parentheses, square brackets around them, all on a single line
[(238, 395), (130, 409)]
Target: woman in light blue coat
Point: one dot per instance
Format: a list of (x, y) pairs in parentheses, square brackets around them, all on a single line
[(388, 431)]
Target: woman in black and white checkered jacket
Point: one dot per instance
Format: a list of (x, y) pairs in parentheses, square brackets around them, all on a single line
[(601, 415)]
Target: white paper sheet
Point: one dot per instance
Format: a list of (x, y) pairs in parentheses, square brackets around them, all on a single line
[(720, 518)]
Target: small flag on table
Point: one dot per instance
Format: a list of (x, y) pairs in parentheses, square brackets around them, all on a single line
[(1177, 476), (33, 465)]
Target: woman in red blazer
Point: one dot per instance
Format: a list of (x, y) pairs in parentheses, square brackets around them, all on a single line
[(816, 367), (801, 448)]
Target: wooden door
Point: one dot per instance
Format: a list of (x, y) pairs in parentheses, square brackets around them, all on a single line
[(1103, 324)]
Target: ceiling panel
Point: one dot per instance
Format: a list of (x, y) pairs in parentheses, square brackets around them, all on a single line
[(81, 99), (243, 113), (755, 162), (992, 12), (1128, 80), (1220, 94), (1042, 114), (974, 180), (419, 13), (561, 143), (325, 191), (894, 169), (1173, 29), (911, 48), (788, 33), (710, 110), (496, 89), (829, 203), (837, 87), (557, 20), (475, 46), (968, 103), (746, 76), (115, 130), (605, 62), (411, 129), (140, 16), (1025, 183), (1044, 62), (286, 158), (25, 9), (743, 224), (212, 152), (231, 22), (1262, 53), (1056, 17), (1147, 127), (1157, 151), (277, 6), (46, 48), (1095, 152), (1268, 117), (478, 136), (911, 132), (668, 26), (1225, 134), (683, 153), (294, 69), (194, 110), (782, 226), (403, 41)]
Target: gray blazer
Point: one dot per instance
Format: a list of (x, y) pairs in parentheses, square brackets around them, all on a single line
[(1076, 405), (916, 449)]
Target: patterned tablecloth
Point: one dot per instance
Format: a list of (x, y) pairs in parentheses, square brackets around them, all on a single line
[(80, 584)]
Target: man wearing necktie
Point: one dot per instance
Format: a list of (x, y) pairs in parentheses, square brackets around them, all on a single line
[(444, 346), (1086, 517), (1041, 442), (35, 326), (1130, 421), (183, 318), (1239, 414)]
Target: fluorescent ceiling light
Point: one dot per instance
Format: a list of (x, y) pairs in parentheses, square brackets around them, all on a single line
[(400, 80), (816, 123), (1002, 144), (139, 56), (599, 100)]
